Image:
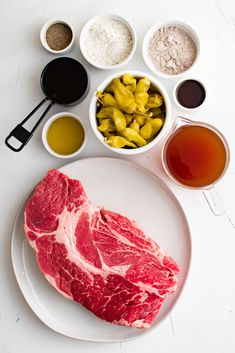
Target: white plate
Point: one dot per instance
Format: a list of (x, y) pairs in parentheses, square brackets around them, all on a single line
[(133, 191)]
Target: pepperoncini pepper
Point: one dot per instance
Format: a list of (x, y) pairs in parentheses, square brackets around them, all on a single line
[(140, 119), (123, 96), (129, 119), (155, 100), (141, 95), (135, 126), (107, 125), (115, 114), (106, 99), (143, 85), (119, 142), (129, 81), (156, 111), (104, 113), (108, 134), (133, 136), (151, 128)]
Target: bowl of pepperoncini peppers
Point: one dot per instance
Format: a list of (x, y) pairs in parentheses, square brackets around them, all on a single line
[(130, 112)]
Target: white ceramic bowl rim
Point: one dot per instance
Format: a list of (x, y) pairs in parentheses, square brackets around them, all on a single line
[(48, 124), (43, 35), (168, 118), (92, 21), (188, 28)]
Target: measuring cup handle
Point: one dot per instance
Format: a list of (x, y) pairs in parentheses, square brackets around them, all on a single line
[(23, 135), (214, 201)]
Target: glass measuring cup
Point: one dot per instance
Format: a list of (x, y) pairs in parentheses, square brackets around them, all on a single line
[(188, 156)]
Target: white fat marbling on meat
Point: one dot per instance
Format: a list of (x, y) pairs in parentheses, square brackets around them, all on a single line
[(150, 288), (65, 234), (136, 324), (155, 250)]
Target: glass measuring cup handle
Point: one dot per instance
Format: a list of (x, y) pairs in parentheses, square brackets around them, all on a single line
[(211, 194), (214, 201), (23, 135)]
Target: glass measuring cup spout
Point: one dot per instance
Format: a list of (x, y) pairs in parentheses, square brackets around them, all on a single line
[(196, 156)]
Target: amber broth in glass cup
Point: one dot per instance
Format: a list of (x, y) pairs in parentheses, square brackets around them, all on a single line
[(196, 156)]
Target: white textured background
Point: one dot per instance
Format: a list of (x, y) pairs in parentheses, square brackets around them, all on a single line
[(204, 318)]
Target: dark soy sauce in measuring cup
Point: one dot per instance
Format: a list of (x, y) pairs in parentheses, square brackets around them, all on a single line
[(190, 94), (63, 83)]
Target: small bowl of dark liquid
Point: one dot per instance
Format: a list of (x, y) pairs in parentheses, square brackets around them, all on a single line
[(189, 94)]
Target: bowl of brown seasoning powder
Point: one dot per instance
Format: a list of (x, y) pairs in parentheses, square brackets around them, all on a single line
[(171, 48), (57, 36)]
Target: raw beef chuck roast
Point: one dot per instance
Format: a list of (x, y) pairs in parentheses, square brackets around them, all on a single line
[(96, 257)]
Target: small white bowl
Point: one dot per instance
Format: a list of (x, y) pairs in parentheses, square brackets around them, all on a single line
[(90, 23), (166, 126), (177, 103), (188, 29), (44, 135), (44, 41)]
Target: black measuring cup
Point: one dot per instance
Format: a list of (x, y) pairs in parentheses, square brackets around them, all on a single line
[(64, 81)]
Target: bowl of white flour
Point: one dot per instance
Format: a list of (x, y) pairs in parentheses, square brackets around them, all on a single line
[(171, 48), (107, 41)]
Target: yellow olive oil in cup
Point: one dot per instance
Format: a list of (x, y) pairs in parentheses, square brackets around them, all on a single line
[(64, 135)]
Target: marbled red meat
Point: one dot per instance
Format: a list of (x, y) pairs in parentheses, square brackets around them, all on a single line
[(96, 257)]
